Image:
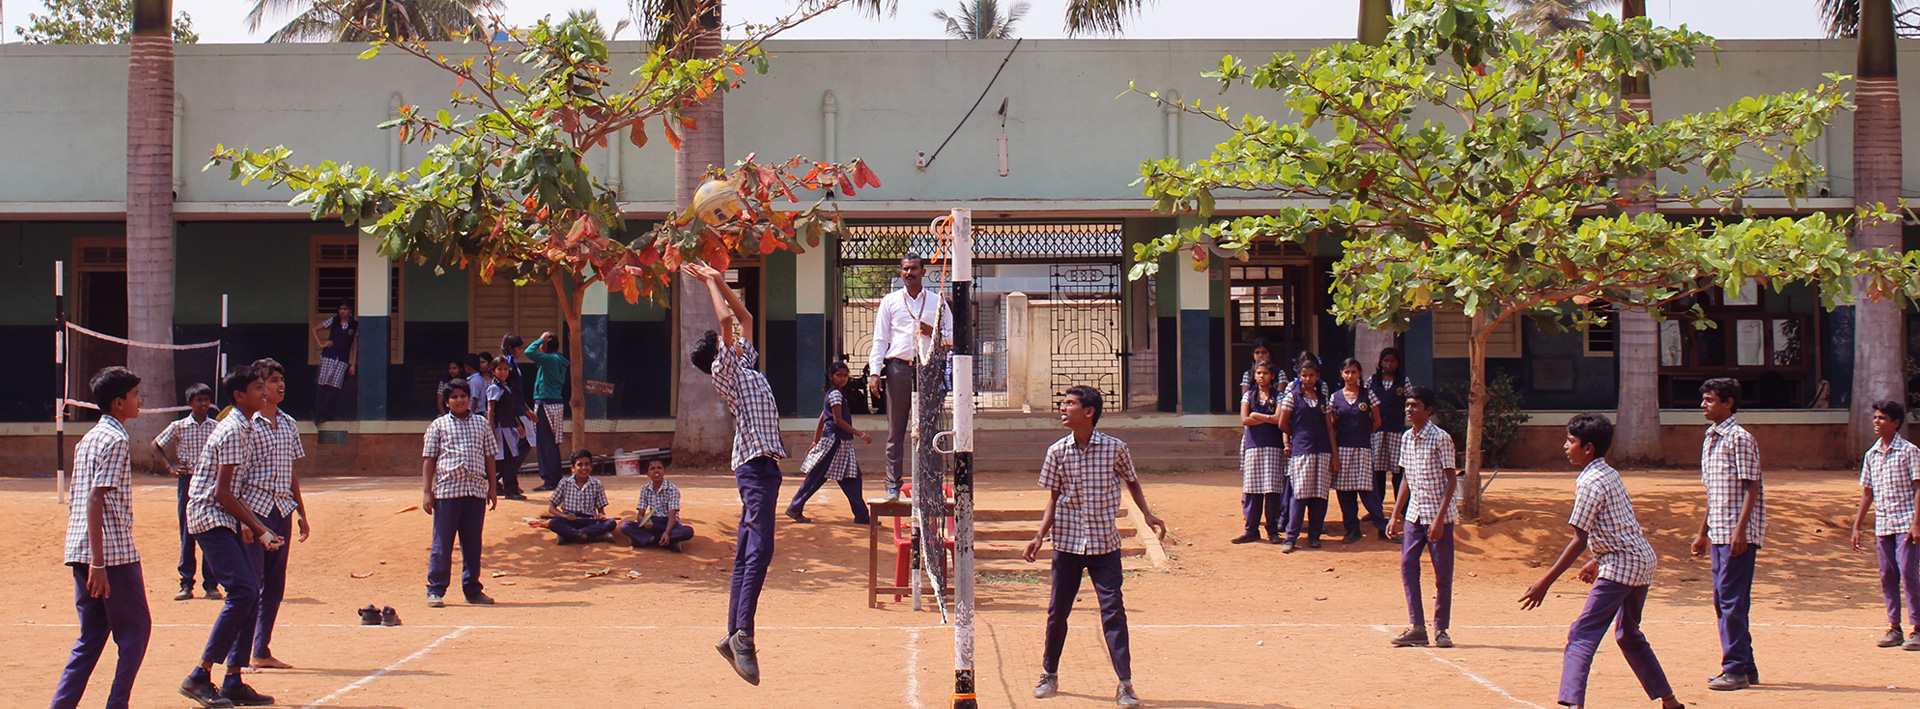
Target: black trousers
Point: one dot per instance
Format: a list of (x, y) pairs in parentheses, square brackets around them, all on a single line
[(1104, 569), (900, 376)]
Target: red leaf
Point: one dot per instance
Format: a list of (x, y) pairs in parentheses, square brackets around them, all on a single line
[(639, 135), (864, 175), (649, 256), (689, 123), (673, 138)]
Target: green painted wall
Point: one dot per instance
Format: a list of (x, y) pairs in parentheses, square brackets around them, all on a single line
[(434, 298), (781, 300), (27, 253), (264, 268)]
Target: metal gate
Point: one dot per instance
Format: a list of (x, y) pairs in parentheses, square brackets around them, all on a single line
[(1083, 330)]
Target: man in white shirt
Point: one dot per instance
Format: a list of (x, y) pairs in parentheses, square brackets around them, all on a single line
[(903, 328)]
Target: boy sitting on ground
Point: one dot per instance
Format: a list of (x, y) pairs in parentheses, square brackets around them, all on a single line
[(659, 521), (577, 503)]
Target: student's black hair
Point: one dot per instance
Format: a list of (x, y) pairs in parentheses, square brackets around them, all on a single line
[(1594, 430), (239, 379), (1089, 398), (511, 343), (1354, 363), (550, 345), (704, 351), (347, 302), (198, 389), (1726, 388), (453, 385), (485, 357), (1423, 395), (471, 361), (582, 453), (836, 367), (1263, 343), (111, 383), (1306, 360), (1894, 410), (911, 256), (1380, 365), (269, 367)]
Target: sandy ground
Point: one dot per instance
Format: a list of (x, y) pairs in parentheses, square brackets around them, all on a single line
[(1223, 626)]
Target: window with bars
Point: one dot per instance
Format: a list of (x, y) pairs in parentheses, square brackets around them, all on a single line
[(1603, 340), (336, 275)]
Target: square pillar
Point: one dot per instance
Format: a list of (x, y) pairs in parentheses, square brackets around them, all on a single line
[(593, 340), (373, 299)]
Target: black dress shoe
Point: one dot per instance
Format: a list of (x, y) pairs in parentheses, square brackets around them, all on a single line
[(1351, 537), (1313, 542), (369, 615), (388, 617), (243, 696), (479, 599), (794, 514), (1246, 538), (203, 693)]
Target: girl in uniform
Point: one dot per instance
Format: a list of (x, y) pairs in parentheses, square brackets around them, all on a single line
[(1305, 417), (1264, 488), (832, 455), (1389, 386), (1262, 352), (1356, 413)]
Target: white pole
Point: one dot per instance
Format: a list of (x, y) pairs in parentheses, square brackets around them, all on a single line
[(963, 339)]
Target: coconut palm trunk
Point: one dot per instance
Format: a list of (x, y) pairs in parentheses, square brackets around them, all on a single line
[(702, 430), (1637, 432), (1879, 346), (150, 207)]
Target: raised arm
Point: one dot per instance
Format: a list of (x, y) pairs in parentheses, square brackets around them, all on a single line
[(726, 304)]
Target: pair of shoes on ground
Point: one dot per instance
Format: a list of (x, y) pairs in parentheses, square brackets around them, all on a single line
[(742, 655), (1894, 638), (1416, 636), (370, 615), (235, 693), (1049, 686), (473, 599), (186, 593)]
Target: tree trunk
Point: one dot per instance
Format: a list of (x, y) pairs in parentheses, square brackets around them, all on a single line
[(570, 300), (702, 430), (1368, 342), (1879, 348), (1469, 490), (1637, 349), (150, 210)]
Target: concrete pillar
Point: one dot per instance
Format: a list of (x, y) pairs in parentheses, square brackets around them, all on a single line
[(811, 270), (1197, 356), (1018, 395), (373, 296), (593, 340)]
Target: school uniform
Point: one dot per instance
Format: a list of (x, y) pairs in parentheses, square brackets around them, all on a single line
[(269, 494), (1353, 436), (1310, 466), (103, 459), (1603, 510), (188, 437), (508, 408), (334, 359), (657, 505), (235, 441), (460, 447), (1265, 490), (584, 501), (1392, 395), (1088, 480), (1890, 471), (1728, 456), (549, 410), (831, 458), (1427, 453), (756, 472)]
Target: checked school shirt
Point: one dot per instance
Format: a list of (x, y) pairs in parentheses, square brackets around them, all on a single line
[(1890, 471), (579, 499), (188, 437), (756, 419), (1729, 455), (1088, 479), (233, 443), (1426, 454), (103, 459), (658, 504), (460, 448), (1602, 509), (269, 488)]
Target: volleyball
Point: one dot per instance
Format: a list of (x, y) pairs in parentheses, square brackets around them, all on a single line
[(716, 202)]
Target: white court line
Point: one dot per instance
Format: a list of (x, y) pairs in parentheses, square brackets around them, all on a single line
[(417, 654), (349, 488), (913, 668), (1477, 679), (915, 628)]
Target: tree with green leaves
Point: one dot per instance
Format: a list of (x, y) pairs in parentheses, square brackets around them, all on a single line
[(508, 191), (93, 22), (368, 20), (982, 19), (1550, 16), (1470, 167)]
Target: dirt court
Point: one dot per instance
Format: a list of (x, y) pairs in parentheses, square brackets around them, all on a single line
[(1223, 627)]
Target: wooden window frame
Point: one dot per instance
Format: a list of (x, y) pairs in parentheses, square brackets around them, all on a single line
[(1458, 350), (396, 297)]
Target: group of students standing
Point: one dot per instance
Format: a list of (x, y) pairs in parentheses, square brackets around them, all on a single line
[(525, 421)]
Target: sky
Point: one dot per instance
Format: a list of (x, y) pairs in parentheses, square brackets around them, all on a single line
[(225, 20)]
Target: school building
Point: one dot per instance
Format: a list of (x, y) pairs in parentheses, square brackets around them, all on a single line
[(1055, 215)]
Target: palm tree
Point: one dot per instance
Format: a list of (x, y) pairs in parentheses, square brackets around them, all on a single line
[(350, 20), (981, 19), (1545, 17), (702, 430), (150, 204), (1878, 345), (1637, 437)]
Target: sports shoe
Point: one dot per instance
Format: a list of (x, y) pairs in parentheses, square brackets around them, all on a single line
[(1246, 538), (515, 496), (1313, 542), (369, 615), (1048, 686), (202, 691), (794, 514), (434, 601), (544, 488), (739, 651), (213, 594), (1893, 638), (1286, 547), (1913, 644), (1440, 639), (243, 696), (388, 617), (1351, 537), (1415, 636), (479, 599), (893, 492), (1729, 681), (1124, 696), (186, 593)]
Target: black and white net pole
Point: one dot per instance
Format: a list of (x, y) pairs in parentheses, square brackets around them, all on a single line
[(963, 690), (60, 366)]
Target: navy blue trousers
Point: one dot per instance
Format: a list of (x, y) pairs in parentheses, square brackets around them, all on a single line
[(759, 483), (1272, 504), (233, 566), (849, 487), (273, 582), (1619, 605), (649, 534), (1732, 605), (1104, 569), (461, 518), (546, 444), (123, 615), (574, 530), (187, 562)]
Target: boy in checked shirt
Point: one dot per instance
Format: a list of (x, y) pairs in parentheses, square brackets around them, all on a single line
[(457, 489), (1429, 507), (1735, 523), (1888, 478), (1085, 470), (108, 590), (188, 435), (273, 493), (574, 511), (1621, 570)]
